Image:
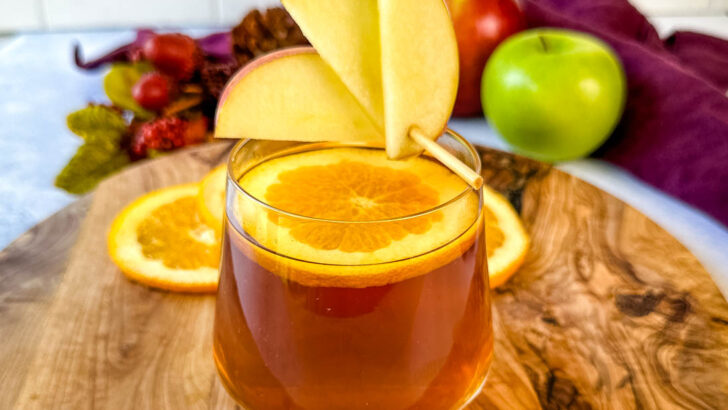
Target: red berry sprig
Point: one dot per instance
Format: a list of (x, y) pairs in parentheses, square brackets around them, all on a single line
[(163, 134), (176, 55), (153, 91)]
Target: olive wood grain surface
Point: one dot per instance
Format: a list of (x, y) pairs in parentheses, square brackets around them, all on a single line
[(608, 311)]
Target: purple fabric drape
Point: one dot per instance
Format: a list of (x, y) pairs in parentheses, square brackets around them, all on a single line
[(674, 132)]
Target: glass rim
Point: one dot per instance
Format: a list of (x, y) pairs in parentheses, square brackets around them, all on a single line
[(459, 138)]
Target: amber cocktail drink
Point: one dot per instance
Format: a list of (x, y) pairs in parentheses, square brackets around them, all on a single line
[(350, 281)]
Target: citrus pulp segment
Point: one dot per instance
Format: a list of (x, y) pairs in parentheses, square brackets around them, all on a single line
[(354, 194), (161, 241), (211, 197)]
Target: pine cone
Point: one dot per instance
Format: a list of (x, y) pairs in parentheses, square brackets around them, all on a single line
[(214, 76), (260, 33)]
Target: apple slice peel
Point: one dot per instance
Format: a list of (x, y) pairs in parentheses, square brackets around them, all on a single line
[(291, 94)]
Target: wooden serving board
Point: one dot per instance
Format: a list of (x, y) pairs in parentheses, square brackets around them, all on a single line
[(608, 311)]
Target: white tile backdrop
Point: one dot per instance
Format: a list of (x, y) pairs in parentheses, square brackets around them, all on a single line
[(231, 11), (73, 14), (21, 15)]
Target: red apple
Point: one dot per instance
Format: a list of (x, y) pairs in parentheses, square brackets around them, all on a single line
[(480, 25)]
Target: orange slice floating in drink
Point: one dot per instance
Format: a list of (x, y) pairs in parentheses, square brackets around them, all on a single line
[(160, 240), (290, 188), (365, 193)]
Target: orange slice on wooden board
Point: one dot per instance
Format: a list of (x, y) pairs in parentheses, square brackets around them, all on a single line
[(160, 240), (506, 241), (211, 197)]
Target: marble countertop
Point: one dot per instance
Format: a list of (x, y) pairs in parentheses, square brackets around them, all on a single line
[(40, 86)]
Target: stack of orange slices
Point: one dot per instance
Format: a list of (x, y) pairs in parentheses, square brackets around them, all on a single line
[(170, 238)]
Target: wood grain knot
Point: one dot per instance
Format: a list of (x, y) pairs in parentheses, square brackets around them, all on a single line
[(677, 308), (638, 305), (509, 174), (561, 393), (674, 308), (719, 320)]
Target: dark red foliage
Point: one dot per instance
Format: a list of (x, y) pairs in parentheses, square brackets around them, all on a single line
[(674, 131), (214, 76), (216, 47)]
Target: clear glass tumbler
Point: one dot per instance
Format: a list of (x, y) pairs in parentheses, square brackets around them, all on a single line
[(412, 331)]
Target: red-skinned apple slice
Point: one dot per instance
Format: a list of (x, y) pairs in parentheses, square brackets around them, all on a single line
[(346, 35), (419, 60), (292, 95)]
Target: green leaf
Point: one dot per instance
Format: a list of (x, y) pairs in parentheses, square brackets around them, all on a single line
[(154, 153), (119, 82), (97, 124), (101, 155), (91, 163)]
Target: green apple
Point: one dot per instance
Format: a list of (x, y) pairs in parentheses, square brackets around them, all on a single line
[(553, 94)]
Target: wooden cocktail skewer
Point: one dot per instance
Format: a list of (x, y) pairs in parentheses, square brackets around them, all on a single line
[(463, 171)]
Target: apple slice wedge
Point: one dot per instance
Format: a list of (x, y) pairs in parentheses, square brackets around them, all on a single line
[(293, 95), (346, 35), (419, 58)]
